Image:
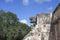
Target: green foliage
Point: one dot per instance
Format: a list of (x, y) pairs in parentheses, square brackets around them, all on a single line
[(11, 28)]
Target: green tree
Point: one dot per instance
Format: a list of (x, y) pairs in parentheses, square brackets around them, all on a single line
[(24, 30), (11, 28)]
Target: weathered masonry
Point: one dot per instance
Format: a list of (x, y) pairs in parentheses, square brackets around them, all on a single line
[(46, 26), (41, 28), (55, 25)]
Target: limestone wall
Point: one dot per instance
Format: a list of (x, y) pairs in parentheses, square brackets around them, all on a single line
[(41, 29)]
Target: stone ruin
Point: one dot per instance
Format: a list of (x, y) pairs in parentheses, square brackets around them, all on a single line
[(46, 26), (41, 28), (55, 24)]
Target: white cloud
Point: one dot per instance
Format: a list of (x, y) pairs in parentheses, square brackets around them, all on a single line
[(25, 2), (50, 8), (51, 14), (8, 1), (41, 1), (23, 21)]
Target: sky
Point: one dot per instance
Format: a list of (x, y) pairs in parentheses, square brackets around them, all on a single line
[(24, 9)]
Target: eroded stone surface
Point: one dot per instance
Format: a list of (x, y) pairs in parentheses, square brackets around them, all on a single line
[(41, 29)]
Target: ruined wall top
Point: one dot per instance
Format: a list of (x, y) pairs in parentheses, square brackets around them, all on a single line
[(42, 18)]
